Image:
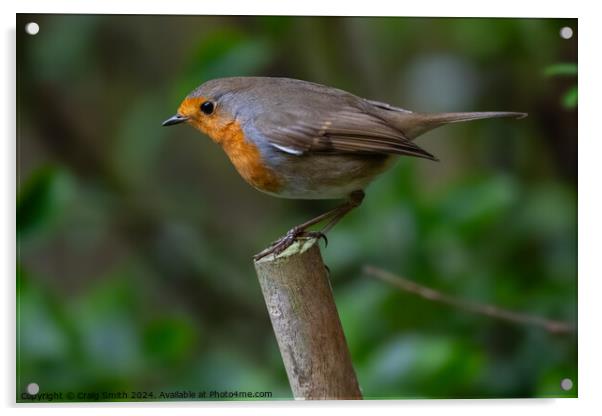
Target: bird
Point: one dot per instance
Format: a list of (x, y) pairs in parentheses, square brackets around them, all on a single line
[(298, 139)]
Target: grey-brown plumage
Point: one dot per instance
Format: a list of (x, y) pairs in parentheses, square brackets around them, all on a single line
[(297, 139), (318, 141), (304, 117)]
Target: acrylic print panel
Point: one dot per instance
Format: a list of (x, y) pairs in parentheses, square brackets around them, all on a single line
[(453, 279)]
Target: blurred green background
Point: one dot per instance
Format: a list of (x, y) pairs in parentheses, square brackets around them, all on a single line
[(135, 241)]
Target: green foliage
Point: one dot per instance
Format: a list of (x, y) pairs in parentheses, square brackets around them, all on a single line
[(223, 53), (41, 199), (569, 100), (170, 339), (565, 69)]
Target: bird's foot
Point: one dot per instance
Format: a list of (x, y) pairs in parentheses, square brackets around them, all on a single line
[(288, 239), (300, 231)]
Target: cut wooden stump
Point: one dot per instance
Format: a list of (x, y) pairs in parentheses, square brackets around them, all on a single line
[(306, 323)]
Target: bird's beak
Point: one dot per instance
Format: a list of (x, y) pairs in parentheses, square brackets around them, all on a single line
[(177, 119)]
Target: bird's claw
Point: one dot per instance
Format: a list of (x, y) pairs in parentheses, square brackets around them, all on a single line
[(288, 239), (315, 234)]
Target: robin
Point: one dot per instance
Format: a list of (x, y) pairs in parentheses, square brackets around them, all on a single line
[(298, 139)]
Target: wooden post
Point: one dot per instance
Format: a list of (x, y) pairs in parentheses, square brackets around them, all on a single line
[(306, 323)]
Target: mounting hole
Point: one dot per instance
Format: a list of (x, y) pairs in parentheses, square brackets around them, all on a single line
[(33, 388), (566, 384), (32, 28), (566, 32)]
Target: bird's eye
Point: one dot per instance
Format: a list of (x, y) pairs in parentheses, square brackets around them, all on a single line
[(207, 107)]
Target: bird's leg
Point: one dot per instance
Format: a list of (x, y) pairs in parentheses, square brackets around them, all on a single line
[(354, 201), (333, 216)]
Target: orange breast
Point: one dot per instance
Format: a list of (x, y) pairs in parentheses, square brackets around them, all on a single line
[(243, 154)]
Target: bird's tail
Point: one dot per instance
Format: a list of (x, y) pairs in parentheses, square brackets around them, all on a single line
[(414, 124)]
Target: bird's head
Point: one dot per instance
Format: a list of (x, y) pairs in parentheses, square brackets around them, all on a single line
[(211, 107)]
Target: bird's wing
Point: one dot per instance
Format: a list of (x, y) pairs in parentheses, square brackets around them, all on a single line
[(346, 130)]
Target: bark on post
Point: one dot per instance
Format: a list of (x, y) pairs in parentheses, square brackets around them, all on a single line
[(306, 323)]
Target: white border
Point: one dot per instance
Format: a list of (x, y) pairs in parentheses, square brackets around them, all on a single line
[(460, 8), (590, 208)]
